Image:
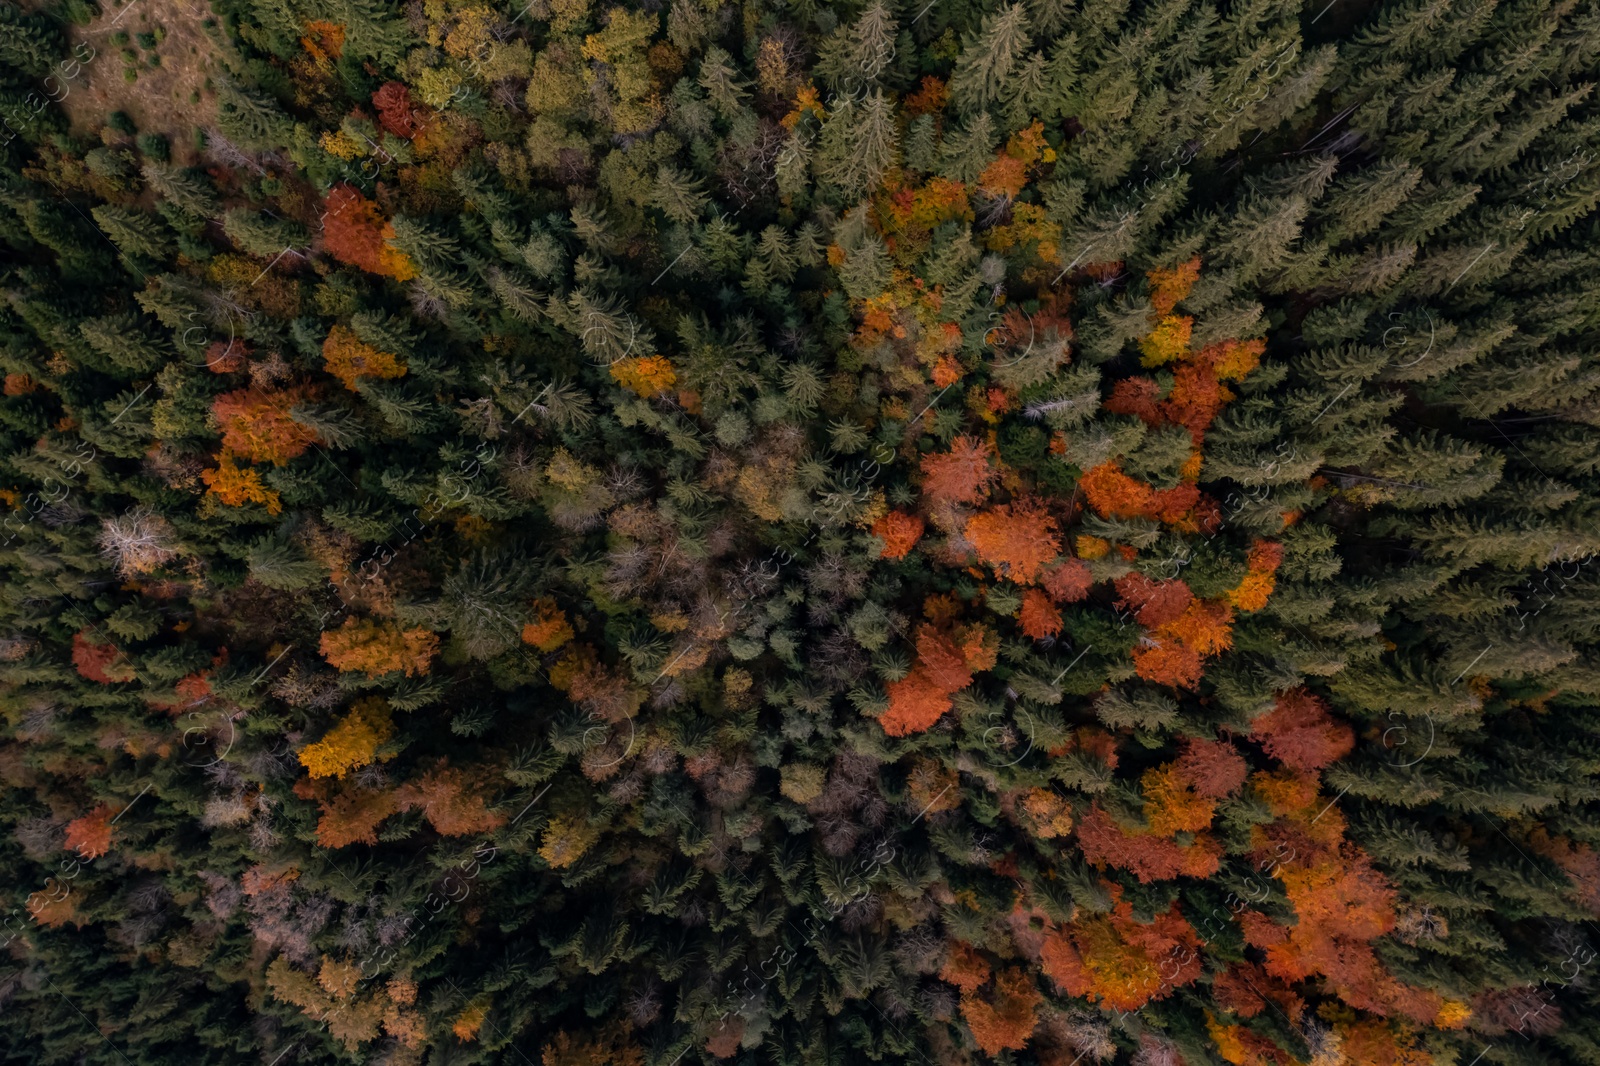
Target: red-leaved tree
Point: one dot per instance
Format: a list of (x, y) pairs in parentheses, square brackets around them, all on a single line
[(354, 231), (961, 475), (1300, 733)]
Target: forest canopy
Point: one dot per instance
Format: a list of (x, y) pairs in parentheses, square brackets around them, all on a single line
[(1053, 532)]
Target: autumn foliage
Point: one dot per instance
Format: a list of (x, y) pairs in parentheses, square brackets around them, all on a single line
[(352, 742), (1252, 592), (945, 662), (453, 800), (90, 835), (1114, 494), (1168, 286), (1300, 733), (1120, 963), (648, 375), (549, 629), (1038, 617), (396, 113), (237, 485), (1179, 638), (379, 647), (351, 359), (100, 660), (1067, 582), (354, 231), (899, 532), (351, 813), (1147, 854), (1016, 539), (843, 458), (1212, 768), (961, 475), (1006, 1018), (256, 424)]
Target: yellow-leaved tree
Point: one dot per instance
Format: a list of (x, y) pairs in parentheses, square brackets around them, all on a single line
[(352, 742)]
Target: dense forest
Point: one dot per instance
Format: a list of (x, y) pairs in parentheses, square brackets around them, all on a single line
[(766, 531)]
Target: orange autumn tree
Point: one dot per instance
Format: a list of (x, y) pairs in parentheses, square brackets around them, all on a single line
[(611, 1046), (1194, 395), (256, 424), (1300, 733), (1578, 861), (1015, 539), (469, 1021), (396, 113), (99, 660), (1212, 768), (90, 835), (1243, 1047), (454, 801), (1038, 617), (1145, 853), (549, 629), (1341, 904), (899, 532), (349, 814), (379, 647), (1262, 563), (1177, 648), (1005, 1018), (961, 475), (236, 486), (1114, 494), (1181, 631), (349, 358), (965, 968), (354, 231), (1008, 173), (648, 375), (1169, 286), (1172, 805), (333, 997), (1119, 962), (52, 910), (945, 664)]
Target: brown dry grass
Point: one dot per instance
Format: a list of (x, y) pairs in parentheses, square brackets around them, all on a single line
[(162, 100)]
